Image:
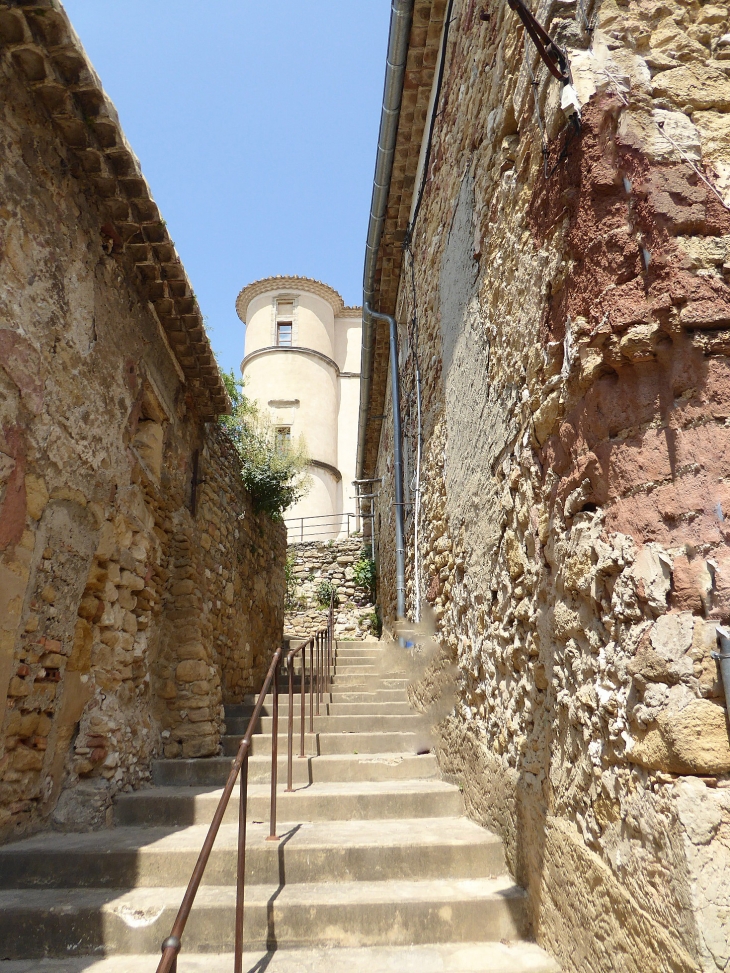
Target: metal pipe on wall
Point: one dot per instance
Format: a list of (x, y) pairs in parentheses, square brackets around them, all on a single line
[(401, 15), (400, 551), (723, 659)]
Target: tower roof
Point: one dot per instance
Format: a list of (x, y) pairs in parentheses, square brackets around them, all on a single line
[(295, 283)]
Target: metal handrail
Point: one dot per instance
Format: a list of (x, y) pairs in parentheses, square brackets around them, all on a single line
[(315, 526), (320, 662)]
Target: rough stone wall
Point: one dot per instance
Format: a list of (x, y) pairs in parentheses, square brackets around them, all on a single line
[(316, 562), (573, 330), (243, 566), (117, 629)]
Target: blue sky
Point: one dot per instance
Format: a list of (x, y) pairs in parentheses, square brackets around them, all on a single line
[(256, 127)]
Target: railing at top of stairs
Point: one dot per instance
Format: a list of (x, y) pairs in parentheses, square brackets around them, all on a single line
[(321, 646)]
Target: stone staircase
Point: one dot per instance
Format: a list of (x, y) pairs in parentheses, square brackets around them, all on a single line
[(374, 852)]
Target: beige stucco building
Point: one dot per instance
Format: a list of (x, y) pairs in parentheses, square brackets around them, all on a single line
[(302, 363)]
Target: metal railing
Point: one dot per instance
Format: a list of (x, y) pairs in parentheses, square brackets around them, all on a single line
[(320, 527), (320, 647)]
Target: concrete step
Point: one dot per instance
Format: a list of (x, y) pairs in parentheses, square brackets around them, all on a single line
[(326, 851), (370, 671), (380, 690), (410, 722), (476, 957), (347, 659), (329, 767), (396, 708), (369, 696), (362, 709), (356, 683), (179, 806), (336, 695), (61, 922), (261, 743), (327, 743)]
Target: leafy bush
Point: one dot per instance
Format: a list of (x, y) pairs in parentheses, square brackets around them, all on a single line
[(325, 590), (274, 472), (377, 626), (364, 572), (290, 595)]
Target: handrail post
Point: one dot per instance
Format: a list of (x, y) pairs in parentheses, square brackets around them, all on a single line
[(327, 661), (290, 726), (311, 685), (302, 703), (241, 866), (319, 669), (274, 753), (171, 946)]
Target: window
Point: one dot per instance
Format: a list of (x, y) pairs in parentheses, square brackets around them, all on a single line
[(284, 323), (282, 438), (283, 333)]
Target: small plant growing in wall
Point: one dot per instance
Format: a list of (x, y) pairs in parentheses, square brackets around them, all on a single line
[(325, 590), (273, 471), (364, 572), (290, 595), (376, 626)]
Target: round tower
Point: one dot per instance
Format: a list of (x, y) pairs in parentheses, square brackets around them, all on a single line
[(302, 364)]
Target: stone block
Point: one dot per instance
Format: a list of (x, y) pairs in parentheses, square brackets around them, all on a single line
[(24, 758), (192, 650), (693, 740), (204, 746), (191, 670), (19, 687), (671, 636), (36, 495), (184, 587), (131, 581)]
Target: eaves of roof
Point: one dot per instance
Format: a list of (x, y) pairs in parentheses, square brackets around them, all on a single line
[(37, 37), (281, 283), (423, 49)]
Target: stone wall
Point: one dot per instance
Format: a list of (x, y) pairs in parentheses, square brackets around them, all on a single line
[(573, 330), (133, 572), (316, 562), (224, 604)]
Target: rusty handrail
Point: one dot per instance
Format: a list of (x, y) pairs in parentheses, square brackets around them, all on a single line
[(324, 637)]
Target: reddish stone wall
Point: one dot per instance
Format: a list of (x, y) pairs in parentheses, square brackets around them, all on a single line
[(571, 316)]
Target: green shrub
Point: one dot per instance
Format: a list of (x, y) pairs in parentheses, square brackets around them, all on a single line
[(364, 572), (290, 598), (325, 590), (274, 472), (376, 624)]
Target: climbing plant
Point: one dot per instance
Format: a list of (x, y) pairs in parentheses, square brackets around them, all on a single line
[(364, 571), (290, 594), (325, 590), (274, 472)]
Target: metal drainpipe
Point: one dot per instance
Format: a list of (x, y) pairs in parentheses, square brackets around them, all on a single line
[(401, 15), (400, 553), (723, 657)]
